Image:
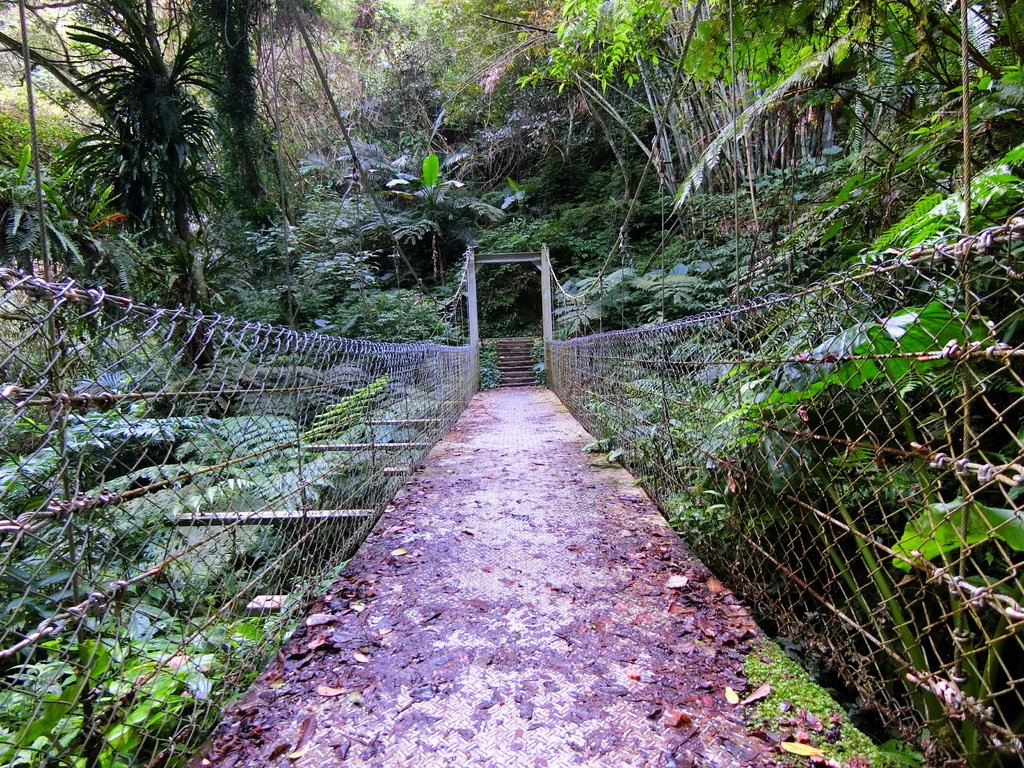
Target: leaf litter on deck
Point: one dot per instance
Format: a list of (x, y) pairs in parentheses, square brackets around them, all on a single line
[(547, 617)]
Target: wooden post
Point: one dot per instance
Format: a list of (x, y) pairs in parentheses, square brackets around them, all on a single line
[(471, 310), (545, 300), (474, 323)]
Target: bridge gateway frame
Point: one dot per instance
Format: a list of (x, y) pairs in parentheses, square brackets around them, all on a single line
[(541, 259)]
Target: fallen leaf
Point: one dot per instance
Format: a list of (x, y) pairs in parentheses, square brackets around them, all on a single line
[(731, 696), (675, 718), (299, 752), (804, 750), (279, 750), (676, 582), (715, 585), (306, 731), (316, 642), (329, 690), (356, 697), (317, 619), (361, 657), (762, 692), (358, 606), (399, 552)]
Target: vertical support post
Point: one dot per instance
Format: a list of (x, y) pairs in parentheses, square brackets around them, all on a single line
[(545, 299), (471, 311), (474, 322)]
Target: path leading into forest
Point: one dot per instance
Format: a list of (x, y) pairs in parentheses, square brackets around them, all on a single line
[(521, 604)]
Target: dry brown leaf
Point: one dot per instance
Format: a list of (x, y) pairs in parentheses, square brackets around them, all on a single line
[(399, 552), (715, 586), (306, 731), (329, 690), (299, 752), (676, 718), (763, 692), (804, 750), (731, 696), (361, 657), (316, 642), (676, 582), (279, 750)]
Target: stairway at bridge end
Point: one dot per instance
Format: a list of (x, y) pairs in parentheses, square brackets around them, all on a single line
[(515, 362)]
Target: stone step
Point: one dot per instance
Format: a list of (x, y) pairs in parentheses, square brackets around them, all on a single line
[(515, 353)]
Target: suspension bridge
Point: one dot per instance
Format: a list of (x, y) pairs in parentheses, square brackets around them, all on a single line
[(185, 496)]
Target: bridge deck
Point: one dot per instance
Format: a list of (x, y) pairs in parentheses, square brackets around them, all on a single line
[(513, 608)]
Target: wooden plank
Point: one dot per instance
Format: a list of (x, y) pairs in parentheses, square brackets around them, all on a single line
[(269, 517), (471, 308), (508, 258), (367, 447), (399, 422), (509, 254), (545, 297), (262, 605)]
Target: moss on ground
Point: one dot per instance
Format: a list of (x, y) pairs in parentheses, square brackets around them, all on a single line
[(793, 690)]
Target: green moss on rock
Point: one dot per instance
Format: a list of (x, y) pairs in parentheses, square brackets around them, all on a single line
[(793, 690)]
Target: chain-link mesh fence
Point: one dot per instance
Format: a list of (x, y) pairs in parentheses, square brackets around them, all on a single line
[(851, 456), (173, 487)]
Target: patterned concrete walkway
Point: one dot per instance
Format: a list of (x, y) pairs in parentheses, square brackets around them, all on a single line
[(522, 604)]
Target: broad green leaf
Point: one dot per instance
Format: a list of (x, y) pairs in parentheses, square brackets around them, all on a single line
[(1015, 155), (945, 528), (431, 171), (54, 709)]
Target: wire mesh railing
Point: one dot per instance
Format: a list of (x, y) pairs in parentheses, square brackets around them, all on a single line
[(173, 487), (851, 456)]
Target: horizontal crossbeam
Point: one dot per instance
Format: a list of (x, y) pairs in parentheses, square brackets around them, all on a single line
[(270, 516), (506, 258), (399, 422), (367, 447)]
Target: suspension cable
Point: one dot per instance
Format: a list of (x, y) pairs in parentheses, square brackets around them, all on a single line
[(44, 245), (965, 116), (736, 149)]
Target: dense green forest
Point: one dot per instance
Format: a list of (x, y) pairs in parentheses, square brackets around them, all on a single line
[(323, 164)]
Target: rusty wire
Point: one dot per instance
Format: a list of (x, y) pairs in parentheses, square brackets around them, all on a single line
[(851, 457), (173, 489)]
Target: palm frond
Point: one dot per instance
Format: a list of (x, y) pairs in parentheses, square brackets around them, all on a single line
[(804, 73)]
